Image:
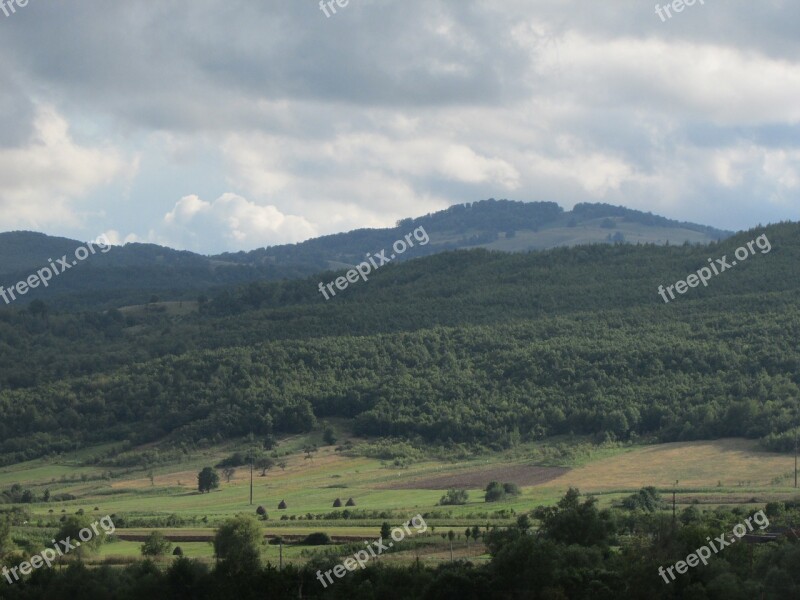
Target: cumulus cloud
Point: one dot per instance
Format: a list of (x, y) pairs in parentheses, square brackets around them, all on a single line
[(41, 180), (231, 222), (391, 110)]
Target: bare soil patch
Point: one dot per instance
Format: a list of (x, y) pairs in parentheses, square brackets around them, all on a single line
[(523, 475)]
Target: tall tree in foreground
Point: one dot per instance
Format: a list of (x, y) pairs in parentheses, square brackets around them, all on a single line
[(237, 545)]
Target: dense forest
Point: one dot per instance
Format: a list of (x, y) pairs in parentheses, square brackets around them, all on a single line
[(468, 346)]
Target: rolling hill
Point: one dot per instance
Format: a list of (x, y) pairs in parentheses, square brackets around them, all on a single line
[(134, 273)]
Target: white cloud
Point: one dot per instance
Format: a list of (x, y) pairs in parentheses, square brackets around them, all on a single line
[(230, 223), (41, 182), (115, 238)]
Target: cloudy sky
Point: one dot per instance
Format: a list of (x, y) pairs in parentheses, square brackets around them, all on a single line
[(212, 126)]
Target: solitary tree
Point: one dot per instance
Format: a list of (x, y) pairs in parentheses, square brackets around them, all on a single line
[(451, 535), (328, 436), (156, 545), (237, 543), (265, 463), (228, 473), (71, 528), (386, 531), (310, 451), (207, 480)]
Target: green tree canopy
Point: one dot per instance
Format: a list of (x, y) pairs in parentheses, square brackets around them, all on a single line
[(237, 544), (207, 480)]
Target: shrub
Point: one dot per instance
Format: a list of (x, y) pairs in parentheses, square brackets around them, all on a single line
[(494, 492), (237, 459), (317, 539), (156, 545), (646, 499), (454, 497), (328, 436)]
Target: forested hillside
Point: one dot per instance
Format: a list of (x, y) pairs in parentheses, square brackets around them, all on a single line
[(135, 273), (472, 347)]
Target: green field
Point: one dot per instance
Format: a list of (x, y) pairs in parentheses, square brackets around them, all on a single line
[(723, 472)]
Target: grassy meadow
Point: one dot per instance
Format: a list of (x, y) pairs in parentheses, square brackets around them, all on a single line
[(723, 472)]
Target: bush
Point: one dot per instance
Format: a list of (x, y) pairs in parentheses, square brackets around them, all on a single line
[(496, 491), (454, 497), (646, 499), (317, 539), (237, 459), (156, 545), (328, 436)]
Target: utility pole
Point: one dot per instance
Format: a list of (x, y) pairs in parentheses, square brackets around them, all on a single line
[(795, 458)]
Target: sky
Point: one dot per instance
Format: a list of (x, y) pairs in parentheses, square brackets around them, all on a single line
[(218, 126)]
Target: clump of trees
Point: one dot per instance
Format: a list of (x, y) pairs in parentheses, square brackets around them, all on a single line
[(646, 499), (156, 545), (454, 497), (497, 492), (17, 495), (71, 528)]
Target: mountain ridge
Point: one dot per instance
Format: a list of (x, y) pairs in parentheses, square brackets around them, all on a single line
[(137, 272)]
